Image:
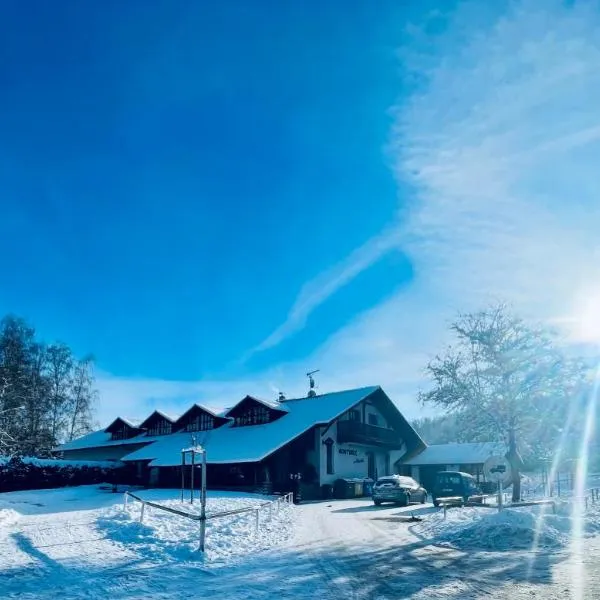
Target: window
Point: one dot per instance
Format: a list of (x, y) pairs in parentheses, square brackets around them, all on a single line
[(121, 434), (161, 427), (373, 420), (200, 422), (255, 415), (329, 449), (354, 415)]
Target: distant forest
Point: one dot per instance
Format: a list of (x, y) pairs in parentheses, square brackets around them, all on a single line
[(47, 395)]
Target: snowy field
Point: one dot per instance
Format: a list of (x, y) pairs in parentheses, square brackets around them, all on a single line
[(79, 543), (70, 536)]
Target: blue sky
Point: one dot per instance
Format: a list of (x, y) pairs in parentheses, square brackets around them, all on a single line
[(215, 198)]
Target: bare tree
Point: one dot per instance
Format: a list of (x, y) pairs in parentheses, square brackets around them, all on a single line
[(60, 372), (82, 398), (505, 380), (45, 395)]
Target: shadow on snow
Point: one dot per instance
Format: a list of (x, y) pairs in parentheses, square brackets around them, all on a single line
[(355, 572)]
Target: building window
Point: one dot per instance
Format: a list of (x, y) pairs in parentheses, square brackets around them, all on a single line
[(329, 449), (161, 427), (373, 420), (201, 422), (121, 434), (354, 415), (255, 415)]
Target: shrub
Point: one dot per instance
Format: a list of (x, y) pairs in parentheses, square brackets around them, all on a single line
[(28, 473)]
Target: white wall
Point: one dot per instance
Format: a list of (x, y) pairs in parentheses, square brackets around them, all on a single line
[(349, 460)]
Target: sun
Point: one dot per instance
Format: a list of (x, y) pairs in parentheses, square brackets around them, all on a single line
[(584, 322)]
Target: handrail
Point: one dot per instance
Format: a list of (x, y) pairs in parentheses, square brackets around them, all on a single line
[(287, 498)]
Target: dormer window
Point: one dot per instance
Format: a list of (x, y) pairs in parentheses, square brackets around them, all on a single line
[(201, 422), (122, 433), (158, 424), (252, 411), (199, 418), (255, 415), (120, 429), (162, 427)]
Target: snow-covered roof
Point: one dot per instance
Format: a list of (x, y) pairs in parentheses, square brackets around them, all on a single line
[(133, 423), (103, 438), (274, 404), (457, 454), (230, 444), (159, 413), (206, 409)]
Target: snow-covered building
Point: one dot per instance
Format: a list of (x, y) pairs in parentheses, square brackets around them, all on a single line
[(351, 433), (468, 458)]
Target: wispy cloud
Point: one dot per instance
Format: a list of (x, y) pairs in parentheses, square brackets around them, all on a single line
[(501, 142), (322, 287)]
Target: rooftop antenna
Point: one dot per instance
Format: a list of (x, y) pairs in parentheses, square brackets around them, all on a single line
[(311, 383)]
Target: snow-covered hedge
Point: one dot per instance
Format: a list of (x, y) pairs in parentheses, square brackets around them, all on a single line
[(29, 473)]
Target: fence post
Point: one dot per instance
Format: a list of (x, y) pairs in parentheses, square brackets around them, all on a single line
[(257, 519), (445, 508), (125, 500), (271, 511), (202, 533), (192, 476), (203, 503), (142, 512)]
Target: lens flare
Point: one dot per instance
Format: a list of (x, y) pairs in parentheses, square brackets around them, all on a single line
[(577, 550)]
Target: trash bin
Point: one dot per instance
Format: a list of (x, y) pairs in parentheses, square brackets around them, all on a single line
[(344, 489), (368, 486), (358, 488), (326, 491)]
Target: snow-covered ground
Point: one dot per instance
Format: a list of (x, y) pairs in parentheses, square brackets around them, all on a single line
[(77, 543), (71, 537), (166, 536)]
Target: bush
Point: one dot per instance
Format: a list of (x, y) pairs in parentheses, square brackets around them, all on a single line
[(26, 473)]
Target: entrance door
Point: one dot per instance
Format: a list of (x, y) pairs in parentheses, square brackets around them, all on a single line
[(371, 465)]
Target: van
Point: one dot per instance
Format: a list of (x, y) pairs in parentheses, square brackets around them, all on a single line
[(454, 483)]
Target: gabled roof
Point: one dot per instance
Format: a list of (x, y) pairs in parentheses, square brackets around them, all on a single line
[(273, 404), (218, 417), (133, 423), (456, 454), (252, 443), (144, 423), (102, 438)]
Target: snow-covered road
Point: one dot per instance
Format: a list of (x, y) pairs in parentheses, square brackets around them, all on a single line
[(348, 549)]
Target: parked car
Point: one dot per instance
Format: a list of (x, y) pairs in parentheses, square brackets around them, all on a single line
[(398, 489), (454, 483)]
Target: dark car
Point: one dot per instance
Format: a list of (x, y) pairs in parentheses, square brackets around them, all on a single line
[(398, 489), (450, 484)]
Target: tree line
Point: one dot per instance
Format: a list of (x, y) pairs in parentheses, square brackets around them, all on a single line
[(47, 395), (503, 379)]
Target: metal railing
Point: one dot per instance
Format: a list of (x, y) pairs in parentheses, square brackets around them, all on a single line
[(354, 431), (283, 499)]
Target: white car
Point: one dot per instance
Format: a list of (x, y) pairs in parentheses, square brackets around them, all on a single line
[(398, 489)]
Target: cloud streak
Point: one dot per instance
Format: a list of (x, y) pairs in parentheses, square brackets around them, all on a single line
[(326, 284), (501, 141)]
